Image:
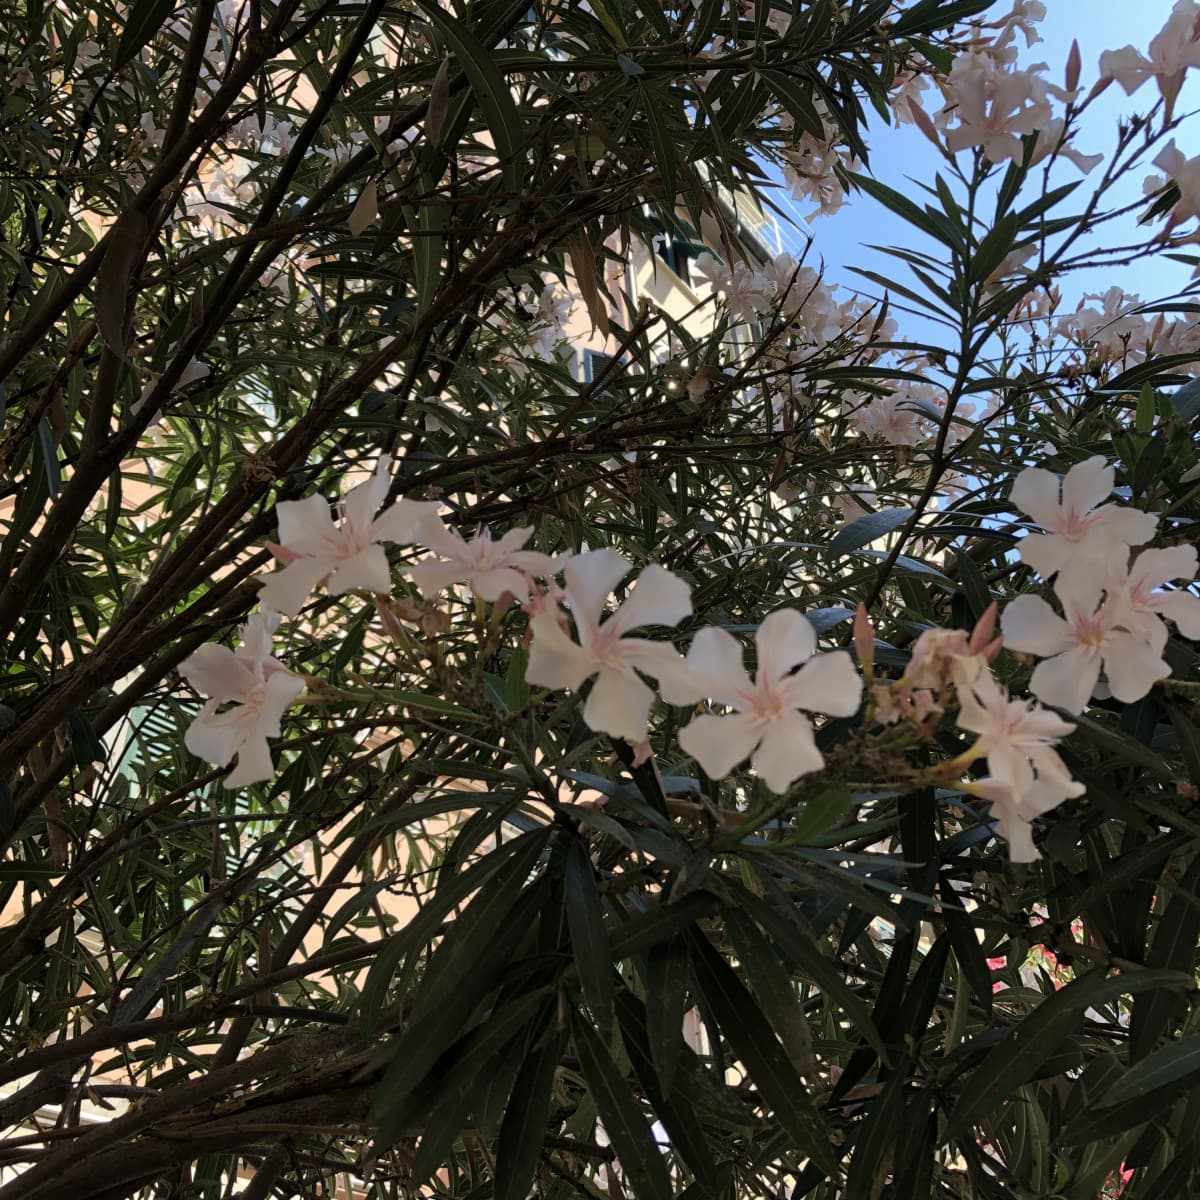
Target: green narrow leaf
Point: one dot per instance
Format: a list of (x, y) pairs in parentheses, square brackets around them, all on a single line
[(820, 814), (515, 688), (657, 924), (973, 584), (524, 1125), (450, 1003), (665, 154), (1028, 1044), (871, 1163), (972, 961), (145, 19), (125, 241), (902, 206), (1174, 948), (750, 1035), (773, 988), (589, 938), (666, 1003), (1169, 1065), (624, 1121), (866, 529), (1122, 747), (991, 252), (429, 920), (491, 91), (796, 939), (439, 1134), (49, 458), (677, 1115)]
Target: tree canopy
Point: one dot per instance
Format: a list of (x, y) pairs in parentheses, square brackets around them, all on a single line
[(760, 759)]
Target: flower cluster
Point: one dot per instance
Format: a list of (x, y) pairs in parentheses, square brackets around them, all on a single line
[(1114, 621), (1113, 611), (767, 724), (1025, 775), (1112, 327), (1174, 49), (995, 104)]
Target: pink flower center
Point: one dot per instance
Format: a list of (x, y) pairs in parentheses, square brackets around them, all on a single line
[(1075, 525)]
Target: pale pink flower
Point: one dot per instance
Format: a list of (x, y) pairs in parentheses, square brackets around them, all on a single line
[(1080, 529), (995, 106), (1050, 141), (941, 657), (1140, 604), (619, 702), (1026, 775), (347, 555), (890, 418), (767, 725), (1074, 650), (1186, 174), (1174, 48), (489, 566), (258, 688), (746, 291), (1014, 812), (894, 702)]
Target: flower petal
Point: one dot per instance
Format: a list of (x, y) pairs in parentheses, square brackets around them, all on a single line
[(555, 661), (1031, 626), (434, 575), (1016, 831), (306, 526), (827, 683), (282, 688), (1036, 492), (658, 597), (591, 577), (491, 585), (1153, 568), (286, 591), (513, 540), (1127, 66), (1044, 552), (254, 764), (718, 744), (715, 669), (1183, 608), (534, 562), (361, 502), (1131, 667), (785, 638), (406, 521), (212, 736), (786, 752), (255, 635), (1068, 680), (1122, 524), (619, 705), (1087, 484), (217, 672), (368, 570)]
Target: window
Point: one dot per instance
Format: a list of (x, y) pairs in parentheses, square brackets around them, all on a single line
[(593, 363), (672, 248)]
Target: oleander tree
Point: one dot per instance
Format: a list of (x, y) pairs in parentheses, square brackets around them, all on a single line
[(767, 766)]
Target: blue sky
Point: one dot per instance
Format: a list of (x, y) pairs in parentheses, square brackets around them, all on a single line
[(896, 153)]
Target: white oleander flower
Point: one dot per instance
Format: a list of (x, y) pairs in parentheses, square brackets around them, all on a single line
[(347, 555), (1081, 530), (619, 702), (767, 724), (489, 566), (259, 690)]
